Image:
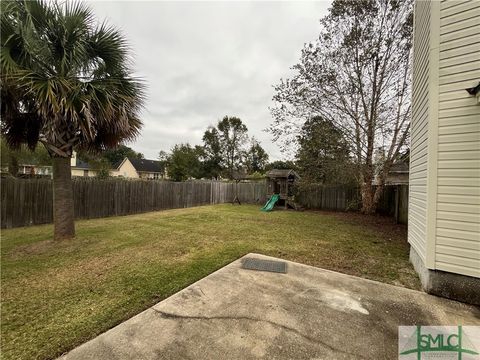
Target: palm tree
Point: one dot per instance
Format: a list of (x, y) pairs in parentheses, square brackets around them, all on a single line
[(65, 82)]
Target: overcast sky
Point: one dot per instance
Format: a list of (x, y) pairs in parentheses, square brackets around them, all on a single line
[(205, 60)]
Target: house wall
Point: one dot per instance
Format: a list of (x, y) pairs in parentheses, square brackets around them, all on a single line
[(80, 172), (457, 246), (126, 170), (397, 179), (148, 175), (444, 213), (73, 159), (421, 112), (37, 169)]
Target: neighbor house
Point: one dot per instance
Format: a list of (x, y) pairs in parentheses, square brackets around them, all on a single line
[(81, 168), (398, 172), (140, 169), (33, 169), (444, 200)]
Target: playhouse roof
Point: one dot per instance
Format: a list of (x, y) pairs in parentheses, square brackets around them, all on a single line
[(282, 173)]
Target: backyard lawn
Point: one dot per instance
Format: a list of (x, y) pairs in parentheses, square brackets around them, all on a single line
[(56, 296)]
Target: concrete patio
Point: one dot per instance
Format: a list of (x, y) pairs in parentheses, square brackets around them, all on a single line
[(307, 313)]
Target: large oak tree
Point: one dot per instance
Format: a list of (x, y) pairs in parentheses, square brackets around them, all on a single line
[(66, 82)]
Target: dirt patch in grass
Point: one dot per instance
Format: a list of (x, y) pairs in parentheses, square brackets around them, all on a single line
[(385, 226), (32, 249)]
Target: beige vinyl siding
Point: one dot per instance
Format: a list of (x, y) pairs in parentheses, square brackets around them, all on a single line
[(457, 246), (126, 170), (417, 216), (81, 172)]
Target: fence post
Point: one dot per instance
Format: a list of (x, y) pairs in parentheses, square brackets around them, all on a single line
[(211, 192), (397, 198)]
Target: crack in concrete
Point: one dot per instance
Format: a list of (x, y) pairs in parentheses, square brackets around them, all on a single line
[(247, 318)]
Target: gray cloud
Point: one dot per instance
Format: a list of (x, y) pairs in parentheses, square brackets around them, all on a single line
[(205, 60)]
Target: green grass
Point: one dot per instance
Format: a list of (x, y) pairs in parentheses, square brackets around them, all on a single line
[(56, 296)]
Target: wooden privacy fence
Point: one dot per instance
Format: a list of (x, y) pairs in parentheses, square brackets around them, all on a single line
[(29, 201), (339, 198), (393, 202), (250, 193)]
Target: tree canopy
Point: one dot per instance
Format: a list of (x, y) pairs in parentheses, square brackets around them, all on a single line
[(323, 155), (115, 155), (225, 151), (281, 165), (256, 158), (11, 159), (232, 134), (184, 162), (212, 153)]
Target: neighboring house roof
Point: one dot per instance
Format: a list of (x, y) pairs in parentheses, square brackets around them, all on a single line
[(145, 165), (119, 163), (399, 167), (281, 173), (82, 164), (398, 173)]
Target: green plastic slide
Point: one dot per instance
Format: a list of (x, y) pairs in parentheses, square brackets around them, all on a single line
[(271, 203)]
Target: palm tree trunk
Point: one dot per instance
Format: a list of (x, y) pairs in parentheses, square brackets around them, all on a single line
[(64, 227)]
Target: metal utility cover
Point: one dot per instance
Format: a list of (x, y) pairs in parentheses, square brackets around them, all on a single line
[(264, 265)]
